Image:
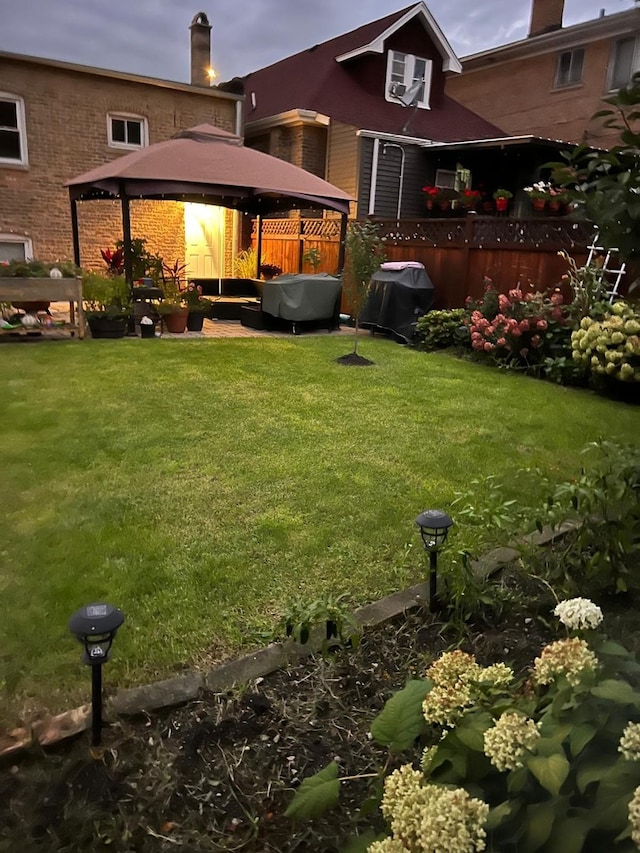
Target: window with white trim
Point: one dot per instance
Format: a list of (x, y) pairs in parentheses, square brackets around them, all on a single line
[(13, 247), (569, 68), (127, 130), (625, 61), (405, 71), (13, 131)]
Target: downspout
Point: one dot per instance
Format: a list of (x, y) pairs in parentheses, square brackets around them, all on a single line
[(401, 181), (374, 176)]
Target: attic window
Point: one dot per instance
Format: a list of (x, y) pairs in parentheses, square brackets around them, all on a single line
[(404, 71), (126, 130), (569, 70)]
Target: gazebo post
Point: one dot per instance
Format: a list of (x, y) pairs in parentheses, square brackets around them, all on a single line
[(258, 244), (126, 237), (74, 230), (343, 240)]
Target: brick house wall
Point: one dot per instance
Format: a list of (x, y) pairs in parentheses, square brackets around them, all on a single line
[(66, 111), (515, 86)]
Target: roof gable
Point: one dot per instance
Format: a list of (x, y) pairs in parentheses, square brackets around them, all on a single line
[(385, 29)]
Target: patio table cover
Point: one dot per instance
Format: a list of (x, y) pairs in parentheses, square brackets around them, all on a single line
[(301, 297)]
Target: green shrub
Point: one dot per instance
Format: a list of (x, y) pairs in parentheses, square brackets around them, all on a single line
[(106, 293), (438, 329)]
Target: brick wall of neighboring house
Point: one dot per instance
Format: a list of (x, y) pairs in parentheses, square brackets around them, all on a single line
[(66, 120), (520, 94), (301, 144)]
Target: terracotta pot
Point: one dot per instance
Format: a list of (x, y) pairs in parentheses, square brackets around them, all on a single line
[(502, 204), (429, 204), (555, 206), (538, 203), (176, 322)]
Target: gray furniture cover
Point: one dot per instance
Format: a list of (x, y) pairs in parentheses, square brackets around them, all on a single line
[(396, 301), (299, 298)]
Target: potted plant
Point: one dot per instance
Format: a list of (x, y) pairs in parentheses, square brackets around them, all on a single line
[(501, 198), (269, 271), (173, 308), (107, 300), (197, 306), (539, 194), (469, 198)]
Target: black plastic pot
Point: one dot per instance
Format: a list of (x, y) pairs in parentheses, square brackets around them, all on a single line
[(104, 326), (147, 330), (195, 321)]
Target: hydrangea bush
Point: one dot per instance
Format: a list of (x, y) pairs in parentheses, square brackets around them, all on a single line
[(610, 346), (518, 329), (546, 762)]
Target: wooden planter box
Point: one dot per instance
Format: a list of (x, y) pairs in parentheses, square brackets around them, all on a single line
[(69, 290)]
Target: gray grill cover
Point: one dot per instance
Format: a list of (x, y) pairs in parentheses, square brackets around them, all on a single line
[(397, 299), (301, 297)]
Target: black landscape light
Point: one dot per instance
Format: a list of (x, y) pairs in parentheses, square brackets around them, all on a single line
[(95, 626), (434, 527)]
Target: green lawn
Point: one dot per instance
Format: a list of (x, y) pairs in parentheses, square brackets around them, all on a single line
[(200, 485)]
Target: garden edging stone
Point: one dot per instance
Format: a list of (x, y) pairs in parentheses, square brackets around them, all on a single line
[(186, 687)]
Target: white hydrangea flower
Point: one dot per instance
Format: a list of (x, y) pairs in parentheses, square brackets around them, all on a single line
[(509, 739), (387, 845), (577, 613), (499, 674), (431, 818), (634, 817), (571, 657), (630, 742)]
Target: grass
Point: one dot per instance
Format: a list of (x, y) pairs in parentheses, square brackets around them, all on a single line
[(201, 485)]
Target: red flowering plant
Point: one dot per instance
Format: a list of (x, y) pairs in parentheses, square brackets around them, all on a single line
[(114, 259), (470, 198), (518, 329)]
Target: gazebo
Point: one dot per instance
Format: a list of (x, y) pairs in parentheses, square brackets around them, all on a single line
[(206, 165)]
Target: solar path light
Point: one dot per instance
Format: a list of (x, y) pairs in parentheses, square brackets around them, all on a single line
[(434, 527), (95, 626)]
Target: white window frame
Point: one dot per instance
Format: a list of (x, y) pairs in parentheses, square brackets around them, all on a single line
[(574, 52), (23, 160), (635, 62), (144, 131), (18, 238), (409, 76)]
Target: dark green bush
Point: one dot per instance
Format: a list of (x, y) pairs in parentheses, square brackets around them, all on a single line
[(438, 329)]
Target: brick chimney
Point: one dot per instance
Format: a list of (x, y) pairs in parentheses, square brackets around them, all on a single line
[(200, 50), (546, 16)]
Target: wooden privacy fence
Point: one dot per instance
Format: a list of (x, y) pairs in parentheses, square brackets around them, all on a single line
[(458, 254)]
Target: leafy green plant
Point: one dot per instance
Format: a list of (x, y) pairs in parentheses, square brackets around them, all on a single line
[(245, 264), (106, 294), (38, 269), (330, 615), (603, 183), (364, 254), (438, 329), (588, 288), (312, 257), (603, 504), (545, 762), (144, 263)]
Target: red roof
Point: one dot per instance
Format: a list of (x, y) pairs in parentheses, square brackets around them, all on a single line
[(314, 80)]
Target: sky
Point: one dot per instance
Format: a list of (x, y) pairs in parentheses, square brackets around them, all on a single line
[(151, 37)]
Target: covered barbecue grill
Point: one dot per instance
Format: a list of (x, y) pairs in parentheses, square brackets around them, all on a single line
[(400, 293)]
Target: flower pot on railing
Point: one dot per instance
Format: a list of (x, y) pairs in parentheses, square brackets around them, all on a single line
[(539, 204), (502, 205)]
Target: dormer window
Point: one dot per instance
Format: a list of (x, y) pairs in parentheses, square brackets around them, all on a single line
[(407, 74)]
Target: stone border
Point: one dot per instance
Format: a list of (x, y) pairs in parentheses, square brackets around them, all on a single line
[(184, 688)]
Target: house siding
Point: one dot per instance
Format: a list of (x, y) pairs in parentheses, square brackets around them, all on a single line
[(519, 94), (343, 158), (66, 121)]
